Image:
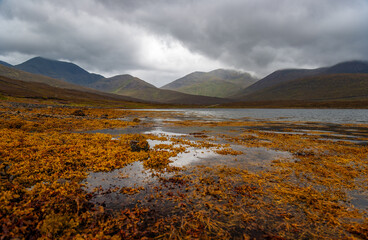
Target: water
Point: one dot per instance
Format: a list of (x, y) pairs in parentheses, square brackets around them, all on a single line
[(251, 159), (308, 115)]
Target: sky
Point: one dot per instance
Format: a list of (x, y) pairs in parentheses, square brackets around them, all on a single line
[(162, 40)]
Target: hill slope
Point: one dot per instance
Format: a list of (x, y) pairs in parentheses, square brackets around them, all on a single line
[(59, 70), (217, 83), (13, 73), (120, 83), (5, 64), (16, 74), (128, 85), (344, 86), (37, 90), (282, 76)]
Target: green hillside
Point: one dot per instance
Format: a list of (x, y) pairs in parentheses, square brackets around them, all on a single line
[(172, 97), (120, 83), (217, 83), (128, 85)]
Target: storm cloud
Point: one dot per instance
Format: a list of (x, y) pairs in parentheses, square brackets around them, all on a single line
[(162, 40)]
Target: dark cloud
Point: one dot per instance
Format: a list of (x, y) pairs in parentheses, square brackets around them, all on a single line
[(265, 34), (167, 38)]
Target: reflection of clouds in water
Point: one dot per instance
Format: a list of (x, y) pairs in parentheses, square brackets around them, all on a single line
[(134, 175), (252, 159), (314, 115), (192, 155), (159, 131)]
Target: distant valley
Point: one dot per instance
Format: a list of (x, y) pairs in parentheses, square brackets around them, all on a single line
[(128, 85)]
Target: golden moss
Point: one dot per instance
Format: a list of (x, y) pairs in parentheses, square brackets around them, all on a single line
[(44, 162)]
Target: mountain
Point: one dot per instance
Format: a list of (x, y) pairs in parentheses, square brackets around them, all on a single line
[(348, 67), (19, 75), (37, 90), (14, 73), (282, 76), (331, 87), (128, 85), (5, 64), (217, 83), (60, 70), (120, 83)]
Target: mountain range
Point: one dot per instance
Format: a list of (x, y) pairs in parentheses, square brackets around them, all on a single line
[(43, 91), (346, 81), (128, 85), (285, 75), (292, 84)]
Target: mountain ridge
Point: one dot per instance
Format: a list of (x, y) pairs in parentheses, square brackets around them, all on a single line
[(5, 64), (352, 86), (118, 82), (39, 90), (286, 75), (66, 71), (281, 85), (128, 85), (218, 82)]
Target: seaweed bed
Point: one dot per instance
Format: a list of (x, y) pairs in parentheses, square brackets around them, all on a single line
[(93, 173)]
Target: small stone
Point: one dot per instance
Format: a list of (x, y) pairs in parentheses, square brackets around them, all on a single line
[(79, 113), (137, 146)]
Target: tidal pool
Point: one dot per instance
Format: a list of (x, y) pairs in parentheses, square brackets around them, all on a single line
[(275, 163), (134, 175)]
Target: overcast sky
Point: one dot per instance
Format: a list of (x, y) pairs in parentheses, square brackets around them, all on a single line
[(162, 40)]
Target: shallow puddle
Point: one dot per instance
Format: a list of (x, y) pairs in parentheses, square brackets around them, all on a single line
[(145, 182), (107, 185), (135, 176)]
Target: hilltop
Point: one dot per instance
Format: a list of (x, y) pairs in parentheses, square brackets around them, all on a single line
[(217, 83), (128, 85), (66, 71)]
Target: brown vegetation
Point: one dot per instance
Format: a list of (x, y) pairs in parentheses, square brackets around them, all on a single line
[(44, 162)]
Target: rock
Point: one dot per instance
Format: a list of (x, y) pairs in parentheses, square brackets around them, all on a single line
[(136, 120), (137, 146), (104, 116), (78, 113)]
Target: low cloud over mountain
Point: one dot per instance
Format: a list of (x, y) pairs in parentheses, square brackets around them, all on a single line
[(163, 40)]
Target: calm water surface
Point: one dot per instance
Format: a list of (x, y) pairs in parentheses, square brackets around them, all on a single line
[(308, 115)]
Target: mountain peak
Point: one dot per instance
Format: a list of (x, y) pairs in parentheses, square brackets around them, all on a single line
[(121, 84), (67, 71), (216, 83)]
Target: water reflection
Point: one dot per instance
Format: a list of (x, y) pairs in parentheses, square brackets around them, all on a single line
[(252, 159), (308, 115)]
